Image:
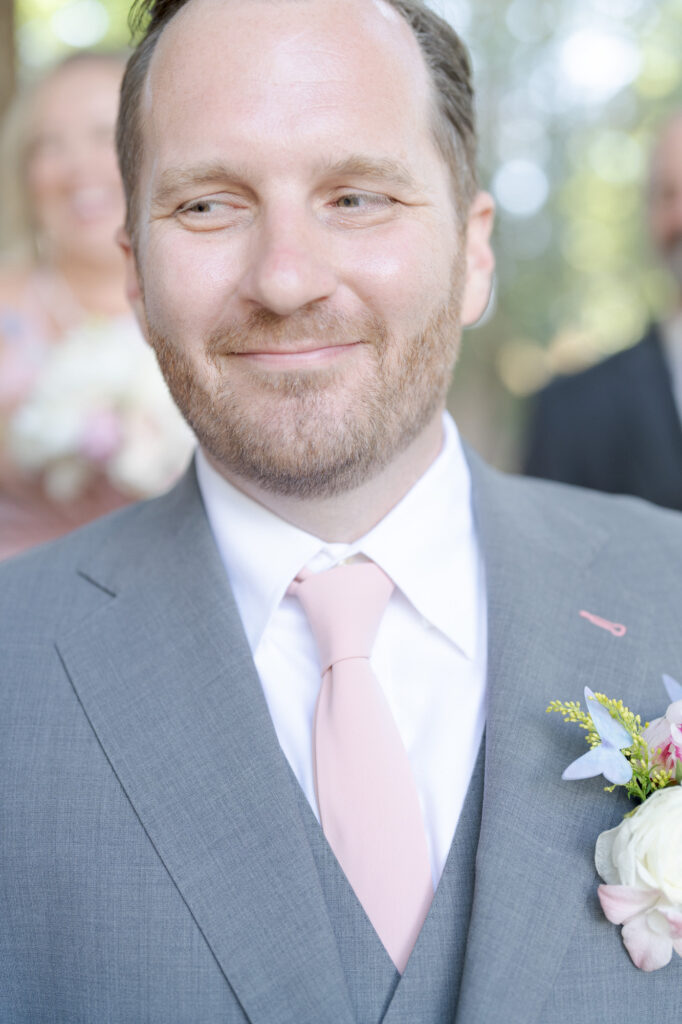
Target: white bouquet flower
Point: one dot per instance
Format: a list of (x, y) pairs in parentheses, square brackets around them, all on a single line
[(100, 405)]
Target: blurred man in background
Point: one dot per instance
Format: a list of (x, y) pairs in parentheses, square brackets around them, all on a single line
[(617, 426)]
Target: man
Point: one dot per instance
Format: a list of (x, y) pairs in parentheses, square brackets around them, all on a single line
[(304, 239), (616, 427)]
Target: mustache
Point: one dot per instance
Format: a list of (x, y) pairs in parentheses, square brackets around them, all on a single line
[(263, 329)]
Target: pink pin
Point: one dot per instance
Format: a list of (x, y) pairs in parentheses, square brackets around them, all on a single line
[(615, 628)]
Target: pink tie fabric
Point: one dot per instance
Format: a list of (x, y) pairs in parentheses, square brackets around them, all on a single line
[(366, 795)]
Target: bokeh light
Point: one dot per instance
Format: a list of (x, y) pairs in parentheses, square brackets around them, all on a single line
[(594, 65), (80, 24), (521, 187)]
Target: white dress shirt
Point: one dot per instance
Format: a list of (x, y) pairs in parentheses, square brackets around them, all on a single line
[(430, 651)]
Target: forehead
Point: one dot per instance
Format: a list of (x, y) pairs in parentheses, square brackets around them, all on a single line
[(78, 92), (274, 71)]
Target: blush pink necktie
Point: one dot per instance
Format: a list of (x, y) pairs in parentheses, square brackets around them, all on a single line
[(366, 795)]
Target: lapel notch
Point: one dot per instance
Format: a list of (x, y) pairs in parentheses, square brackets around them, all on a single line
[(166, 678)]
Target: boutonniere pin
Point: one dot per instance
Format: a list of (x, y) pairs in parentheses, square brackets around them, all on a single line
[(640, 861)]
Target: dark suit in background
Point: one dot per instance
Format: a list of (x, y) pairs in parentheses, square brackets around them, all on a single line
[(614, 427)]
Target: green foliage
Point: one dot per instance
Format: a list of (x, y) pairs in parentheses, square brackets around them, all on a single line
[(576, 280), (646, 776), (48, 30)]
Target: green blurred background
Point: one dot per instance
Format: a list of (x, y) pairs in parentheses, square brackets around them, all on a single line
[(570, 93)]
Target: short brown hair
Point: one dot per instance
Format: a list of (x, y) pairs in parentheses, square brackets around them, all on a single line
[(444, 54)]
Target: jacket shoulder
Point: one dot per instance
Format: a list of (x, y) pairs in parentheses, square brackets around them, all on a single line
[(555, 512), (623, 368), (50, 585)]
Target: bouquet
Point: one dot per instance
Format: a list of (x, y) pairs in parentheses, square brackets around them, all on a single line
[(99, 405)]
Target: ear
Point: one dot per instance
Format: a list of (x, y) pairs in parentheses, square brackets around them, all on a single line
[(480, 261), (132, 278)]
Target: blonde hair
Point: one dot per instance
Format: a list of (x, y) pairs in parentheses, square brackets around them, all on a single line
[(19, 242)]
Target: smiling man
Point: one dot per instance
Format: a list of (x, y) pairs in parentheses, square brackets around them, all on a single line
[(298, 250), (274, 745)]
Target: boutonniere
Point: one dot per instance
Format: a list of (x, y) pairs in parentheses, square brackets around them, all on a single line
[(640, 861)]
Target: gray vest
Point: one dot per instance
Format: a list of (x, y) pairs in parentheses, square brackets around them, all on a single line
[(428, 990)]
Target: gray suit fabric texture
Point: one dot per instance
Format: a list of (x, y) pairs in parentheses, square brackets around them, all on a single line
[(158, 862)]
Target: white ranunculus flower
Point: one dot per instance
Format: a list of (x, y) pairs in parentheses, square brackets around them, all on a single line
[(645, 850), (641, 863)]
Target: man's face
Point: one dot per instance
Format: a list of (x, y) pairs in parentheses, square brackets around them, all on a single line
[(302, 271), (665, 205)]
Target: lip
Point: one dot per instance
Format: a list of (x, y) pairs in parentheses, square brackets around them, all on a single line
[(301, 358)]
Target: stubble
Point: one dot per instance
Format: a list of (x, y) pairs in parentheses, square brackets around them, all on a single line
[(319, 432)]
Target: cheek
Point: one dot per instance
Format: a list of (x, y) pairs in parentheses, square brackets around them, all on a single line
[(44, 179), (406, 280), (191, 286)]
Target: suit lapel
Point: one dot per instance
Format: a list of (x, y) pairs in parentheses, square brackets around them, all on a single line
[(166, 679), (535, 874)]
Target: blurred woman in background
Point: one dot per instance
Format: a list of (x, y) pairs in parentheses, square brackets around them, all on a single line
[(86, 423)]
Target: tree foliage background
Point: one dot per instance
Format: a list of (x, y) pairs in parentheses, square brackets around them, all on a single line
[(570, 94)]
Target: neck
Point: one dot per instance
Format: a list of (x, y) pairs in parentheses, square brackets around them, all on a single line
[(348, 516)]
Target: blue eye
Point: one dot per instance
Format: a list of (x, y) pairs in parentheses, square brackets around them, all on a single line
[(212, 212), (362, 200), (200, 206), (348, 202)]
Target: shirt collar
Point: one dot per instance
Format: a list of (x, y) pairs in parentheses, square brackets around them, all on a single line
[(426, 544)]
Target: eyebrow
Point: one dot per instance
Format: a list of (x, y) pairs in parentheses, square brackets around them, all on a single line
[(381, 168), (175, 180)]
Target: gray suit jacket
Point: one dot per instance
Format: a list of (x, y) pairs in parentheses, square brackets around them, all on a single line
[(154, 867)]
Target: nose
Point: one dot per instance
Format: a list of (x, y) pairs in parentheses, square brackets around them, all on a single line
[(288, 267)]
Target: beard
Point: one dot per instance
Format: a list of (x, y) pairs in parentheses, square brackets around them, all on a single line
[(319, 432)]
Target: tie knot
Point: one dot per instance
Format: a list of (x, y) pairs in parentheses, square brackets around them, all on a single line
[(344, 606)]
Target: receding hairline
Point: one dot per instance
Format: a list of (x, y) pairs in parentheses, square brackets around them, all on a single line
[(174, 27), (442, 59), (388, 13)]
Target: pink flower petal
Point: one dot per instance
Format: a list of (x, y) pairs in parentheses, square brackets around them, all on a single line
[(657, 732), (675, 745), (102, 435), (674, 712), (648, 950), (620, 903), (674, 919)]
